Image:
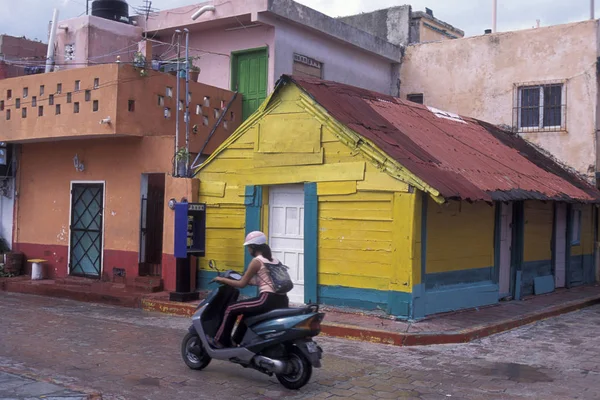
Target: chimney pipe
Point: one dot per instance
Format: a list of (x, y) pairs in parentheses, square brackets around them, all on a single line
[(495, 14), (592, 10)]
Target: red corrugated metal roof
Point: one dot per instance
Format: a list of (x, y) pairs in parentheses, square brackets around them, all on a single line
[(459, 157)]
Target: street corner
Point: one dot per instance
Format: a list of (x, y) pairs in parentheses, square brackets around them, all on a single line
[(19, 384)]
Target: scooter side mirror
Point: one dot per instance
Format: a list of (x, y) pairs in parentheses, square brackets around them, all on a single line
[(212, 264)]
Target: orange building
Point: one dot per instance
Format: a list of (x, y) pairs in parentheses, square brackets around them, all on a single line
[(95, 154)]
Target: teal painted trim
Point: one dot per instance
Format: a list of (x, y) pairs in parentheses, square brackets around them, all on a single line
[(203, 279), (424, 201), (518, 285), (253, 202), (418, 302), (553, 240), (543, 284), (532, 270), (311, 243), (582, 270), (568, 245), (475, 275), (518, 245), (460, 297), (497, 237), (365, 299)]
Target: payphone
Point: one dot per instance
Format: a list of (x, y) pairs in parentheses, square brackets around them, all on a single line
[(189, 243)]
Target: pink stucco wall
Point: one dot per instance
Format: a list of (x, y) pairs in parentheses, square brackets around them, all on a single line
[(96, 41)]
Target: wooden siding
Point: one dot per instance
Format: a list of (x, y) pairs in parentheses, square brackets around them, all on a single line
[(460, 236), (361, 210)]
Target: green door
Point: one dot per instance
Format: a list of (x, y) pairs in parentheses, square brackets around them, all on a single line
[(249, 77)]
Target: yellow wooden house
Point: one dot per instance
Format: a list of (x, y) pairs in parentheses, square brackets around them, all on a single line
[(375, 203)]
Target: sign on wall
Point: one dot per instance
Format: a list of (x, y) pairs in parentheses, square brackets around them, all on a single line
[(306, 66)]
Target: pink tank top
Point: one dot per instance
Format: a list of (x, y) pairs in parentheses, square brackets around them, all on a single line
[(262, 279)]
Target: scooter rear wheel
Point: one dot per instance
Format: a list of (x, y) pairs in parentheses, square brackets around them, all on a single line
[(301, 371), (193, 353)]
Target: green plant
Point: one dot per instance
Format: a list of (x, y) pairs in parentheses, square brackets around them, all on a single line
[(194, 68), (182, 154), (4, 274)]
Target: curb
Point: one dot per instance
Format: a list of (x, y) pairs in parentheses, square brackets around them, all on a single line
[(405, 339)]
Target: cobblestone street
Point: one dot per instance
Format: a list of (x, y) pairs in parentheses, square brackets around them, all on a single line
[(128, 354)]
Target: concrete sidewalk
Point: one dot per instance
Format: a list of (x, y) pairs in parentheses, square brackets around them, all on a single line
[(457, 327)]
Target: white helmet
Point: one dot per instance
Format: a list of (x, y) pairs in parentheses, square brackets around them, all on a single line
[(255, 238)]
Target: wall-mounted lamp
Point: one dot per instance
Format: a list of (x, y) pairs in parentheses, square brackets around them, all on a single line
[(201, 11), (172, 203), (105, 121), (79, 167)]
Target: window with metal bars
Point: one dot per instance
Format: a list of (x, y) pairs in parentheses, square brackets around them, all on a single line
[(540, 107)]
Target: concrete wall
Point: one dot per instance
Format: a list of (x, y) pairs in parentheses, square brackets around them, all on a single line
[(391, 24), (476, 77), (117, 86), (96, 40), (343, 64), (14, 48), (43, 210)]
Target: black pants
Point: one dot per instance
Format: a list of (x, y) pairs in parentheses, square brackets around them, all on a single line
[(265, 302)]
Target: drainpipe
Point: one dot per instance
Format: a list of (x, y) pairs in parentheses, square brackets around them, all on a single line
[(187, 98), (494, 15), (51, 41)]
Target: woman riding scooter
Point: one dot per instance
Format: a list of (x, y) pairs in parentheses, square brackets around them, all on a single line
[(257, 275)]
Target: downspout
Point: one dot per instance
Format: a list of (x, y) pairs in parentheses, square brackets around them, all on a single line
[(51, 42)]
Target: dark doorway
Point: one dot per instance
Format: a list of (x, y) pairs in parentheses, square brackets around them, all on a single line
[(152, 224)]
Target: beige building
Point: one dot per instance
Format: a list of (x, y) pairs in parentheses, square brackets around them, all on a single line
[(541, 83)]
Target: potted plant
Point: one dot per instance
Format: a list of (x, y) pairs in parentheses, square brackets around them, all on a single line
[(181, 158), (194, 73), (12, 260)]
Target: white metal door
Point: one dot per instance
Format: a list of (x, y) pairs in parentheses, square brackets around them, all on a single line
[(560, 250), (505, 246), (286, 233)]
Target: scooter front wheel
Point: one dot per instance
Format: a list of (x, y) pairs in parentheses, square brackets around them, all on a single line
[(193, 353), (301, 371)]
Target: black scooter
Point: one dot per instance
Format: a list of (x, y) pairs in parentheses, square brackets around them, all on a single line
[(278, 342)]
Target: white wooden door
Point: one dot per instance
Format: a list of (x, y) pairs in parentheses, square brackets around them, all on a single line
[(505, 247), (560, 250), (286, 233)]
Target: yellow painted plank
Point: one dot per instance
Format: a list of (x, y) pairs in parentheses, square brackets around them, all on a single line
[(232, 153), (369, 244), (313, 173), (212, 189), (225, 211), (356, 206), (337, 234), (336, 188), (216, 221), (373, 226), (359, 196), (458, 264), (250, 136), (381, 181), (241, 146), (226, 234), (285, 159), (288, 107), (358, 215), (289, 133), (380, 283)]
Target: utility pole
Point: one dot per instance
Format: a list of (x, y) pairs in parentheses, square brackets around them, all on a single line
[(178, 32), (187, 98), (592, 10), (87, 7), (494, 15)]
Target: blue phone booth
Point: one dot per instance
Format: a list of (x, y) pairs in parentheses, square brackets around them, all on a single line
[(189, 243)]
